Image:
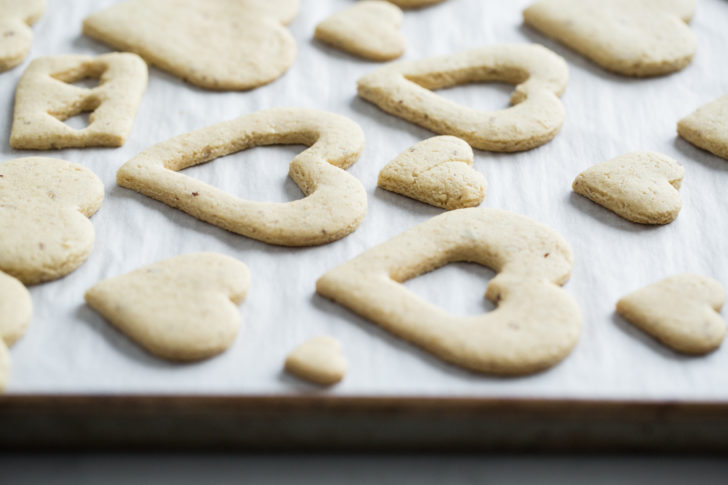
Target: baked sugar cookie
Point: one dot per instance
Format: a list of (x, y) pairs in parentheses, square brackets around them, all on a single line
[(221, 44), (16, 37), (437, 171), (335, 201), (630, 37), (536, 323), (15, 312), (368, 29), (707, 127), (183, 308), (404, 89), (45, 204), (45, 98), (318, 360), (680, 311), (641, 187)]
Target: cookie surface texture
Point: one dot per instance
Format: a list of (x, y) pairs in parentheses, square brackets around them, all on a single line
[(16, 17), (318, 360), (335, 201), (369, 29), (707, 127), (45, 204), (630, 37), (183, 308), (221, 44), (680, 311), (536, 323), (535, 117), (437, 171), (46, 97), (16, 309), (641, 187)]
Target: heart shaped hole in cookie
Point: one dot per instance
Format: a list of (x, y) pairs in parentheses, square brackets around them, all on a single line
[(487, 96)]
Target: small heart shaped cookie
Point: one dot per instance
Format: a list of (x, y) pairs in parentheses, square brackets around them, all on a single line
[(183, 308), (15, 18), (45, 204), (318, 360), (640, 187), (707, 127), (368, 29), (680, 311), (15, 312), (437, 171)]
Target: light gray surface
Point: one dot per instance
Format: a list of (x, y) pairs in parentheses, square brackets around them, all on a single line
[(69, 348)]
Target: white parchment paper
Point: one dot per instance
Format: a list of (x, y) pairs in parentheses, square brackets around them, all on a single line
[(70, 349)]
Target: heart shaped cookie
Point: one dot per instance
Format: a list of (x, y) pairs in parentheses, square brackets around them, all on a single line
[(640, 187), (45, 204), (15, 312), (404, 89), (437, 171), (222, 44), (335, 202), (631, 37), (368, 29), (707, 127), (680, 311), (318, 360), (182, 308), (16, 17)]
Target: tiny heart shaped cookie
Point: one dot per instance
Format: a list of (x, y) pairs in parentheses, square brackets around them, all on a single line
[(15, 312), (15, 18), (318, 360), (707, 127), (183, 308), (630, 37), (640, 187), (680, 311), (368, 29), (45, 204), (437, 171)]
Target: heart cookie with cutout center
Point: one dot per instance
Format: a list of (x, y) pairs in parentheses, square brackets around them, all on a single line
[(45, 204), (641, 187), (16, 309), (437, 171), (318, 360), (183, 308), (368, 29), (680, 311)]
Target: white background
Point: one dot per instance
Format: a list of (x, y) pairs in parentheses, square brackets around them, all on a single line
[(70, 349)]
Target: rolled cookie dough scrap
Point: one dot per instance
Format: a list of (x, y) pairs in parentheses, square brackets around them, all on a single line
[(707, 127), (535, 117), (630, 37), (183, 308), (16, 36), (45, 204), (641, 187), (318, 360), (536, 323), (334, 204), (368, 29), (220, 44), (437, 171), (46, 97), (680, 311), (16, 309)]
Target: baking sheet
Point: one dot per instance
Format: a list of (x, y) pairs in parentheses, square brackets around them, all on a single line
[(70, 349)]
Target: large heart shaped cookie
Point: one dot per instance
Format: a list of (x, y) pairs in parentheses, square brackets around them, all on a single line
[(437, 171), (640, 187), (369, 29), (707, 127), (680, 311), (630, 37), (404, 89), (15, 312), (183, 308), (318, 360), (221, 44), (536, 323), (335, 201), (45, 204), (16, 37)]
